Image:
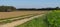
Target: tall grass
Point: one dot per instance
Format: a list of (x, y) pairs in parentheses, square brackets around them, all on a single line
[(53, 19)]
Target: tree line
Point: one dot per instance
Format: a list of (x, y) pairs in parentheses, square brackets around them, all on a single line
[(7, 8), (12, 8)]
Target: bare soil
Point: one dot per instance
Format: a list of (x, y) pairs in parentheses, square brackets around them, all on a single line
[(18, 13)]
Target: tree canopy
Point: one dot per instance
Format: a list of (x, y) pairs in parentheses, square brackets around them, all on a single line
[(7, 8)]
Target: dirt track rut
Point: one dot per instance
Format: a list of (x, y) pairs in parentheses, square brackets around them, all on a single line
[(15, 23)]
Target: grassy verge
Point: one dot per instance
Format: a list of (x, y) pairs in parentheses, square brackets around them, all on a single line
[(53, 18), (37, 22)]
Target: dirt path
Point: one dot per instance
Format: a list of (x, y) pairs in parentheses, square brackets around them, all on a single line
[(15, 23)]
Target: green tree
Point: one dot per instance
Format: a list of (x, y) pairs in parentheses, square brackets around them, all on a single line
[(57, 8), (7, 8)]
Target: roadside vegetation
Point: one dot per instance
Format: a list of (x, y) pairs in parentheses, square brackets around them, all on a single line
[(53, 18)]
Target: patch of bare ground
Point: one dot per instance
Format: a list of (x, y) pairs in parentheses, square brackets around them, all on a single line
[(18, 13)]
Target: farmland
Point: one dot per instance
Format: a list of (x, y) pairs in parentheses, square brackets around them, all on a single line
[(16, 16), (51, 19), (17, 13), (29, 13), (27, 19)]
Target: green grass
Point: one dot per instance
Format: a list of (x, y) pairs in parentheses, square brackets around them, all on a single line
[(37, 22), (4, 22), (53, 18)]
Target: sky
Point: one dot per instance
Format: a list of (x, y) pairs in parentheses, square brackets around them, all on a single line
[(31, 3)]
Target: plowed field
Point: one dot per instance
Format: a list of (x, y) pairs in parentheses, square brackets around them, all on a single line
[(18, 13)]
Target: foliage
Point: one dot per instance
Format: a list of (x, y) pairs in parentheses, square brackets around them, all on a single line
[(53, 19), (7, 8)]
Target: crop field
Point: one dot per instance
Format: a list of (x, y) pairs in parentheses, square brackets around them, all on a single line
[(17, 13)]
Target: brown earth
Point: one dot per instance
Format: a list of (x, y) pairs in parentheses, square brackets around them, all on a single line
[(18, 13)]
